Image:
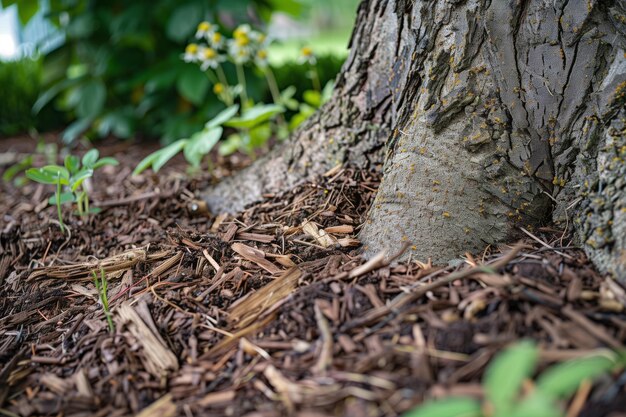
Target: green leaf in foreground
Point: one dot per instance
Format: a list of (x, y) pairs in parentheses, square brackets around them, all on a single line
[(107, 160), (90, 157), (562, 380), (508, 370), (157, 159), (254, 116), (201, 144), (449, 407), (222, 117), (65, 198)]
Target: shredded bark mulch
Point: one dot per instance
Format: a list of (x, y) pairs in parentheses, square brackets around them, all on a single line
[(271, 312)]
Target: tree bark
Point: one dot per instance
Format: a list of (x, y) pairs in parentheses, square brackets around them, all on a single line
[(492, 115)]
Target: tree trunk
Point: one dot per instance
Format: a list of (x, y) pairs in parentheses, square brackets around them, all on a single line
[(492, 115)]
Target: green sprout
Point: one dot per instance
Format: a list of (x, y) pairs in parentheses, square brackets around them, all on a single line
[(102, 286), (505, 380), (71, 178)]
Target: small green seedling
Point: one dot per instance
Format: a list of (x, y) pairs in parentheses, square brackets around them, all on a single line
[(505, 379), (102, 287), (70, 177)]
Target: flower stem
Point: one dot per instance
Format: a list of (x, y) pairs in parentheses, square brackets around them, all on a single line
[(271, 82), (241, 78), (211, 76), (59, 205), (315, 77), (222, 77)]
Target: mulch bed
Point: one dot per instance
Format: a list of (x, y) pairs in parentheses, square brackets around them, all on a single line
[(271, 312)]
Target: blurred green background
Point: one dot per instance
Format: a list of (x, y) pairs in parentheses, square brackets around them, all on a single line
[(113, 68)]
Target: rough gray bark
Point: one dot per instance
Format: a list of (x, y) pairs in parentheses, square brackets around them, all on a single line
[(493, 115)]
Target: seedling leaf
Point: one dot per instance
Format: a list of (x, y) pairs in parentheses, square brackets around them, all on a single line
[(504, 377), (538, 404), (168, 153), (255, 116), (562, 380), (81, 176), (105, 161), (65, 198), (72, 163), (222, 117), (449, 407), (201, 144), (90, 158)]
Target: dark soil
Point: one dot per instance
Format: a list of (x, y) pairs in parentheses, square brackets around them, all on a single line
[(263, 314)]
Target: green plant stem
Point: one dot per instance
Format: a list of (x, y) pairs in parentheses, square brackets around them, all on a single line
[(222, 77), (211, 76), (241, 78), (273, 86), (58, 193), (102, 288), (271, 82), (315, 77)]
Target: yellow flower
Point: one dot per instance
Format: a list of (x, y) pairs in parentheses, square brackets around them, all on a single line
[(242, 40), (191, 53), (205, 30), (261, 58), (241, 31), (216, 40), (218, 88), (192, 48), (204, 26), (307, 55), (209, 53)]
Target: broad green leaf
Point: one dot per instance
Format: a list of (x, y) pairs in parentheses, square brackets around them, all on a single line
[(562, 380), (193, 84), (146, 162), (255, 115), (72, 163), (67, 197), (78, 179), (75, 129), (230, 145), (52, 92), (286, 98), (448, 407), (90, 158), (39, 176), (107, 160), (168, 153), (259, 135), (56, 171), (305, 112), (117, 123), (313, 98), (327, 91), (15, 169), (182, 22), (201, 144), (91, 100), (288, 92), (506, 373), (222, 117), (536, 405)]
